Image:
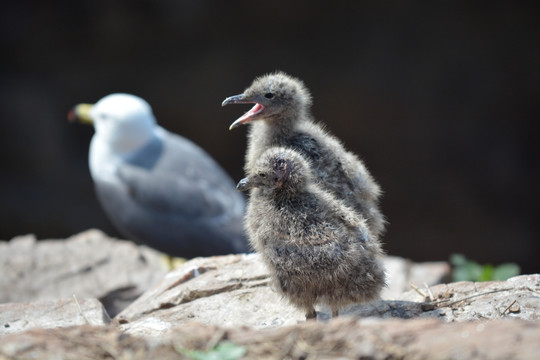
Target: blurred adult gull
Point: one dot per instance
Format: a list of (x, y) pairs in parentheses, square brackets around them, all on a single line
[(159, 188)]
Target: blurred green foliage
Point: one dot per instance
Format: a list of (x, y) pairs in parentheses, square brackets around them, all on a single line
[(468, 270), (223, 351)]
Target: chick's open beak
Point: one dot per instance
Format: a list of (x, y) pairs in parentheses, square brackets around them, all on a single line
[(81, 113), (247, 117)]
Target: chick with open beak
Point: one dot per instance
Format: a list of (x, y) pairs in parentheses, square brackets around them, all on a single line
[(281, 117)]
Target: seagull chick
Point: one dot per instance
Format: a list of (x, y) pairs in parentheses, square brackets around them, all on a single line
[(318, 250), (281, 117), (159, 188)]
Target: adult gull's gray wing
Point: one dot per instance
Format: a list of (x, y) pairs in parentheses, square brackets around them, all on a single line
[(165, 193), (175, 197)]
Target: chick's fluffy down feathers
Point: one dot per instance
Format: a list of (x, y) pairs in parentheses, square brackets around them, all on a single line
[(318, 249)]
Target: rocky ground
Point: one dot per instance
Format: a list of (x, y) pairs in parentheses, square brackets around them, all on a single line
[(93, 297)]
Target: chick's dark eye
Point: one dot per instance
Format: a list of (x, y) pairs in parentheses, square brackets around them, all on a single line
[(268, 95), (263, 175)]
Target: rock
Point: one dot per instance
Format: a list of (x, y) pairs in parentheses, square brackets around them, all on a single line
[(15, 318), (116, 272), (234, 291), (89, 265), (210, 301), (340, 338), (516, 298), (228, 290)]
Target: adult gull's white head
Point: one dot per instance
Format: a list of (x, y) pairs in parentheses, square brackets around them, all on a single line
[(122, 122)]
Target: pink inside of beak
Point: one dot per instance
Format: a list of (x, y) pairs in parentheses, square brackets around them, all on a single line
[(253, 111), (247, 117)]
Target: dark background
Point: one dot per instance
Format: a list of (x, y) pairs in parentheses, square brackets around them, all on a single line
[(440, 100)]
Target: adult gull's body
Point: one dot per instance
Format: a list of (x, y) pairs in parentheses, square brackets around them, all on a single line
[(159, 188)]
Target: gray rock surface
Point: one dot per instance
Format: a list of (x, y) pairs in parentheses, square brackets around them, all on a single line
[(209, 301), (234, 291), (46, 314), (87, 265), (515, 298), (228, 290)]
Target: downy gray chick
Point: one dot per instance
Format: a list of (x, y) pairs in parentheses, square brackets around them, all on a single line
[(318, 250)]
